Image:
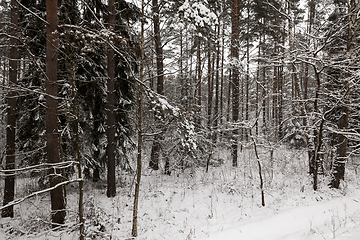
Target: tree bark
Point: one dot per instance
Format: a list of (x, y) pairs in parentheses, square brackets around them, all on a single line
[(235, 77), (222, 74), (210, 87), (275, 84), (217, 94), (156, 147), (199, 72), (57, 195), (111, 177), (247, 72), (139, 127), (96, 154), (78, 156), (9, 189), (339, 163)]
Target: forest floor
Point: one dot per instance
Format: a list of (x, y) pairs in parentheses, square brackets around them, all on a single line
[(224, 203)]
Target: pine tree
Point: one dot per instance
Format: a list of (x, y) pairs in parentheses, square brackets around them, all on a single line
[(52, 138), (235, 77), (110, 132), (156, 147), (353, 24), (9, 189)]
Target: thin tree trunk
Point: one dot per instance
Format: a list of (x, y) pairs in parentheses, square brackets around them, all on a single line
[(264, 92), (52, 138), (96, 154), (276, 84), (216, 110), (260, 176), (257, 87), (198, 94), (222, 74), (312, 9), (9, 189), (229, 96), (182, 81), (280, 89), (111, 177), (198, 72), (139, 129), (78, 156), (209, 103), (247, 72)]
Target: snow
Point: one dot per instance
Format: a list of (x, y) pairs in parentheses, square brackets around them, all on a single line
[(316, 221), (221, 204), (198, 13), (164, 104)]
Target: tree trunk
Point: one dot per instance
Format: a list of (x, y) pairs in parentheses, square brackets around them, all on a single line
[(156, 147), (199, 73), (9, 189), (78, 156), (275, 85), (229, 96), (264, 92), (338, 171), (257, 87), (52, 138), (210, 88), (139, 128), (111, 177), (339, 163), (222, 74), (96, 154), (235, 77), (247, 73), (216, 110)]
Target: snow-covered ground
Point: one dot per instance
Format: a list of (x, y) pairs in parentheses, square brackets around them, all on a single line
[(338, 218), (222, 204)]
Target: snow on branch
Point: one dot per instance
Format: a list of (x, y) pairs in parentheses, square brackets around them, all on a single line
[(39, 167), (198, 13), (20, 200)]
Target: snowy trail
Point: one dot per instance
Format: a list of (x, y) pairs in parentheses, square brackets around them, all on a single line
[(323, 220)]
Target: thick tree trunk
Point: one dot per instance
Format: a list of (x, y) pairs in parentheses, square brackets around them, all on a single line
[(338, 171), (111, 177), (339, 163), (155, 154), (156, 147), (52, 138), (9, 189), (158, 49), (235, 77)]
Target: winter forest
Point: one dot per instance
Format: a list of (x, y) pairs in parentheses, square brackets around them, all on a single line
[(162, 119)]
